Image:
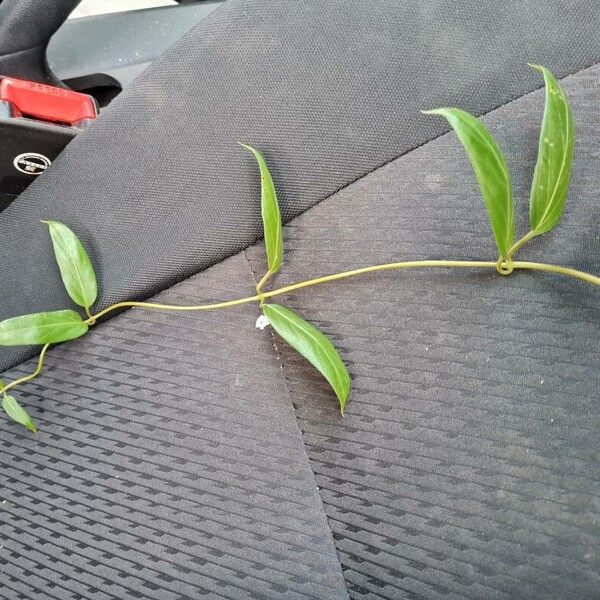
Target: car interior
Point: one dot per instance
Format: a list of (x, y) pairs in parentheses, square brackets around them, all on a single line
[(187, 455)]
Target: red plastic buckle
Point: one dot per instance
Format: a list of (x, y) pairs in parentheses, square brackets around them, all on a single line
[(46, 102)]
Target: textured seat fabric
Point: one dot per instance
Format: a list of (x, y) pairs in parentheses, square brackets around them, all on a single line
[(168, 468), (189, 456), (158, 187), (467, 464)]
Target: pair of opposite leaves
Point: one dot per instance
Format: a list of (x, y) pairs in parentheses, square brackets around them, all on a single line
[(551, 175), (548, 195)]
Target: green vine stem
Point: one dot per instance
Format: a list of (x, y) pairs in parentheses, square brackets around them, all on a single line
[(547, 199), (518, 245), (33, 375), (505, 268)]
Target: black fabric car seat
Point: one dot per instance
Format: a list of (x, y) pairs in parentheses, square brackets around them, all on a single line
[(189, 456)]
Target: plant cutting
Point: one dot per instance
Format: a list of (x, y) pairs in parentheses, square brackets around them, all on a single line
[(547, 200)]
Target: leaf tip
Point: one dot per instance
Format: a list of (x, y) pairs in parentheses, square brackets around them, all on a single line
[(51, 223), (443, 111), (31, 426), (254, 151), (248, 147), (343, 399)]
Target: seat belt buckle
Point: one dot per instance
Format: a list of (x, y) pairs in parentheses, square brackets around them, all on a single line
[(36, 122), (47, 103)]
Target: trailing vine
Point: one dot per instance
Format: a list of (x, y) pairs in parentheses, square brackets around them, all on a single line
[(547, 199)]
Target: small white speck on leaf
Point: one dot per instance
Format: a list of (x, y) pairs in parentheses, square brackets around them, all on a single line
[(261, 322)]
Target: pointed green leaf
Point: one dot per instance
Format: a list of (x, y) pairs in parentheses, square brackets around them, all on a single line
[(270, 214), (17, 413), (2, 384), (74, 263), (42, 328), (313, 345), (490, 169), (555, 157)]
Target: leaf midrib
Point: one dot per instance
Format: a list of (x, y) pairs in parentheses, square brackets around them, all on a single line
[(274, 209), (501, 162), (46, 326), (563, 162), (318, 342), (75, 266)]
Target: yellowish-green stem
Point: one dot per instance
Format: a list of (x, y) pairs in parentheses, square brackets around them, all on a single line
[(261, 296), (519, 244), (33, 375), (89, 315), (260, 285), (535, 266), (469, 264)]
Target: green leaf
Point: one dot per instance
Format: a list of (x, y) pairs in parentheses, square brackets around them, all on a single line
[(270, 214), (490, 169), (313, 345), (74, 263), (555, 157), (42, 328), (17, 413), (2, 384)]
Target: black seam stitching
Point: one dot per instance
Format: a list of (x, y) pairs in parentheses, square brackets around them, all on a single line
[(309, 460)]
